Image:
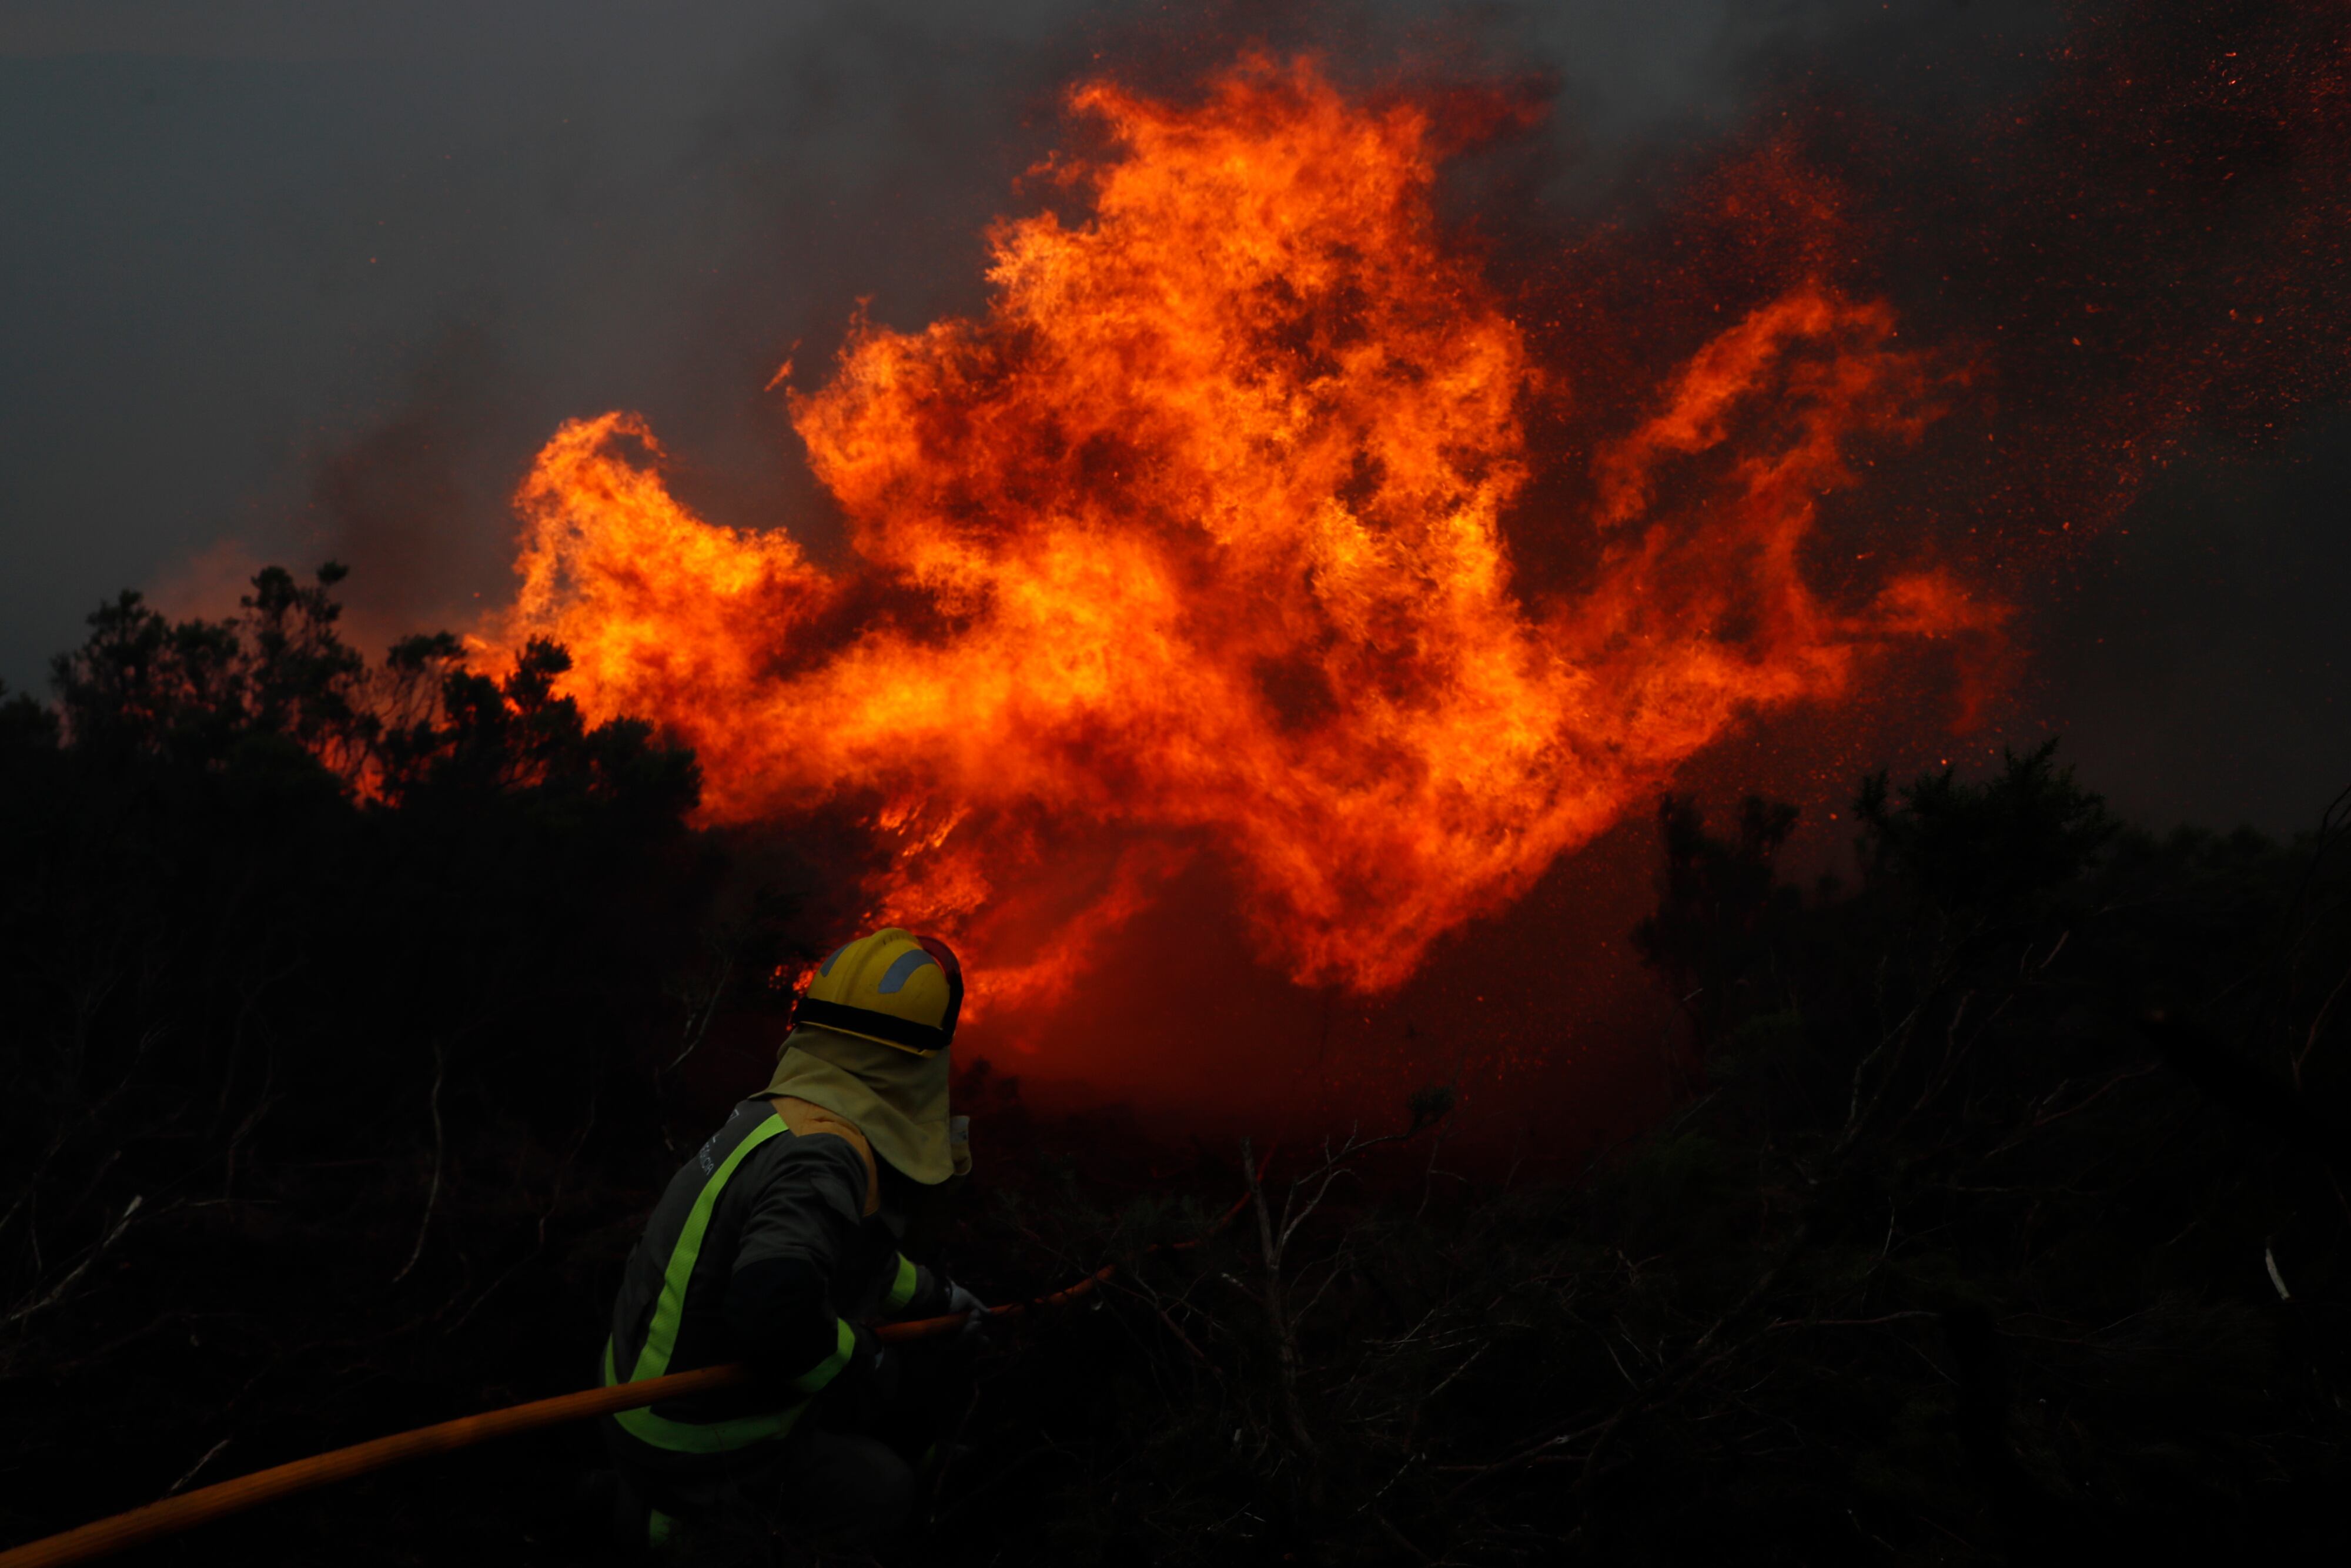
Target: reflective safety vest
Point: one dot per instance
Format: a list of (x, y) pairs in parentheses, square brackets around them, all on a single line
[(659, 1347)]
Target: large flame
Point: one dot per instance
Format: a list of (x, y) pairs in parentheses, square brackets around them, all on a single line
[(1195, 543)]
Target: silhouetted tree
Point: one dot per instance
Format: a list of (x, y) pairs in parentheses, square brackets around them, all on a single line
[(333, 1002)]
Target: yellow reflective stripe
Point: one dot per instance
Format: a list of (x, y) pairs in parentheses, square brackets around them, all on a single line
[(699, 1436), (661, 1336), (844, 1345), (902, 1289)]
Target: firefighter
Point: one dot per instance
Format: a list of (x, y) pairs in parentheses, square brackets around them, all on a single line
[(776, 1245)]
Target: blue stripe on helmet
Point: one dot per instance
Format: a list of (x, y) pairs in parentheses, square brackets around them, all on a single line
[(826, 968), (901, 969)]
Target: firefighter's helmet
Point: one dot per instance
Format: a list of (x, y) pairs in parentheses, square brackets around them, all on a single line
[(892, 986)]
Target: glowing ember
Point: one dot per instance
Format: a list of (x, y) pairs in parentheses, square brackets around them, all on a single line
[(1196, 541)]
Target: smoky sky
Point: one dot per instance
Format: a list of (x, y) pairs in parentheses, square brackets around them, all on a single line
[(292, 280)]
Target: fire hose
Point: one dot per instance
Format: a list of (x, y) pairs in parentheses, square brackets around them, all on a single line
[(171, 1515)]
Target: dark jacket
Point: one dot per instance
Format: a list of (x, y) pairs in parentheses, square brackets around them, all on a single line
[(768, 1247)]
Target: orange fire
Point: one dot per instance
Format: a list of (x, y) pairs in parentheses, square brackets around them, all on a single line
[(1196, 544)]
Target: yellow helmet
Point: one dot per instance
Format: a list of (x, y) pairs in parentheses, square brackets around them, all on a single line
[(893, 987)]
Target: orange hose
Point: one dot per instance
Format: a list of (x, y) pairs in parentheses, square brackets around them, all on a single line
[(171, 1515), (174, 1514)]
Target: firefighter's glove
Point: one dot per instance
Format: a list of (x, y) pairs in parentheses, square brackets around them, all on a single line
[(974, 1312)]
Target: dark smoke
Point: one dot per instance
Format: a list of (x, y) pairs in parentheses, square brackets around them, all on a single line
[(241, 238)]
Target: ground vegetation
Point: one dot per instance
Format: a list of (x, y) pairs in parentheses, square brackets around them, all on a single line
[(354, 1015)]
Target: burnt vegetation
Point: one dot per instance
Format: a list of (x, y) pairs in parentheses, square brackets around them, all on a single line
[(353, 1015)]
